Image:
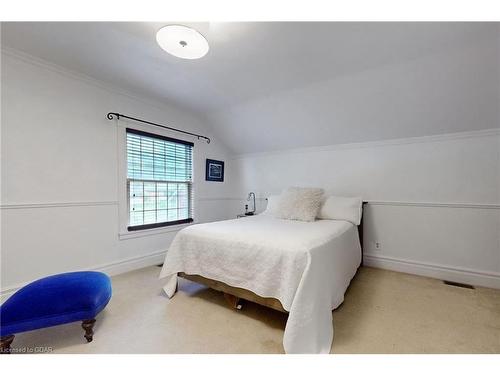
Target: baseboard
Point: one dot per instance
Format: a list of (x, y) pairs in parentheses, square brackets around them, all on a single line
[(461, 275), (132, 264), (111, 269)]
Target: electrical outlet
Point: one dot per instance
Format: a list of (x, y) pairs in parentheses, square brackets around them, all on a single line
[(377, 245)]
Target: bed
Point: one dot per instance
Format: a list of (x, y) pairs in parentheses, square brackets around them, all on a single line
[(302, 268)]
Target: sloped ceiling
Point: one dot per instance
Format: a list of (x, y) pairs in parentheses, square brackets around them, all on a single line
[(269, 86)]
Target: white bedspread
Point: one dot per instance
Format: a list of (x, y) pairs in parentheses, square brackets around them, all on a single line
[(307, 266)]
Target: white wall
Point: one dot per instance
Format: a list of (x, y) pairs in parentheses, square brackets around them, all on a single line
[(435, 201), (435, 204), (59, 201), (448, 91)]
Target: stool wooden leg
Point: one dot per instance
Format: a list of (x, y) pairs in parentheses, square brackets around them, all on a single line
[(88, 326), (5, 342)]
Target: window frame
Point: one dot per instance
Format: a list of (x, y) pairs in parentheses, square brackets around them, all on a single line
[(132, 230)]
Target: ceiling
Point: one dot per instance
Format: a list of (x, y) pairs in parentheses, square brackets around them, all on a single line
[(246, 61)]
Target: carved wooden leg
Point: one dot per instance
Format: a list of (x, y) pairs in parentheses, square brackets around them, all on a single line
[(87, 325), (233, 301), (5, 342)]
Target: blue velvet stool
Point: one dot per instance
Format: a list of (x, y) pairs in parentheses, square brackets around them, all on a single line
[(54, 300)]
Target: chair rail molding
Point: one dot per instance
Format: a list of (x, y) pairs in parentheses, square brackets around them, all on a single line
[(16, 206), (493, 206)]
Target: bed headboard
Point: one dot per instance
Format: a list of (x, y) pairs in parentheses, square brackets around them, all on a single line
[(360, 228)]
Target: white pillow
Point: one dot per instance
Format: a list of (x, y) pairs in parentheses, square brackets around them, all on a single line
[(272, 205), (342, 208), (299, 204)]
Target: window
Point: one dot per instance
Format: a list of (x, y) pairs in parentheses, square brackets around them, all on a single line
[(159, 180)]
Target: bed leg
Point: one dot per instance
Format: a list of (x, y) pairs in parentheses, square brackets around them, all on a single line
[(233, 301)]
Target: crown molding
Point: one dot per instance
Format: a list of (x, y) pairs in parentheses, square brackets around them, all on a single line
[(151, 101), (73, 74), (494, 132)]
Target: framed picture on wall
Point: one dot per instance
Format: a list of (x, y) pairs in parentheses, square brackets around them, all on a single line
[(214, 170)]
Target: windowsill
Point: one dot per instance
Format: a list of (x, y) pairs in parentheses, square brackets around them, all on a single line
[(152, 232)]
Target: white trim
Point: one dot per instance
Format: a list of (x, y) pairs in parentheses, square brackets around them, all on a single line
[(111, 269), (493, 206), (494, 132), (435, 204), (208, 199), (437, 271), (56, 204), (132, 264)]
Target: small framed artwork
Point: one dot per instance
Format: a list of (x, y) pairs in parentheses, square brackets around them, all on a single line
[(214, 170)]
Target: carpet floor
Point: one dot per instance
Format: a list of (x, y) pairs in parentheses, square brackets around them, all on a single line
[(383, 312)]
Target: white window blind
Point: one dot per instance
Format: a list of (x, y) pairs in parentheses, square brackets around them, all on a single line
[(159, 180)]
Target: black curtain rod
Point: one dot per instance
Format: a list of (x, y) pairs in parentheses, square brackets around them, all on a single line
[(118, 115)]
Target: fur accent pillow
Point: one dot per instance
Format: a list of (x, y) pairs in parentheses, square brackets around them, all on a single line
[(299, 204)]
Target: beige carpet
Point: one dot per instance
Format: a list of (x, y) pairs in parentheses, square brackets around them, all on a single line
[(383, 312)]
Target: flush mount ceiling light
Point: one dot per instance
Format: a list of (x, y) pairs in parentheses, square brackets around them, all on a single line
[(182, 41)]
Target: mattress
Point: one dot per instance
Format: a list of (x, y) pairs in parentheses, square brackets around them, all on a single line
[(307, 266)]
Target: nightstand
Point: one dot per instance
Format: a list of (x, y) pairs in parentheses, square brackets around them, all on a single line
[(239, 216)]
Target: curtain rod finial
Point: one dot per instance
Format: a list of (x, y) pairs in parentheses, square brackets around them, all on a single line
[(111, 114)]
